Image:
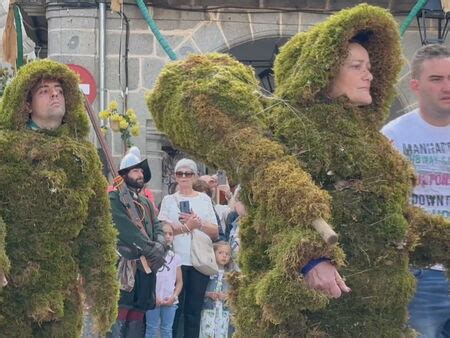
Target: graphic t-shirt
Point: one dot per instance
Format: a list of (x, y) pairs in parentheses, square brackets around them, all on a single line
[(428, 149)]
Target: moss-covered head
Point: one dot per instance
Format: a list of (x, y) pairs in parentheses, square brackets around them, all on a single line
[(308, 64), (14, 109)]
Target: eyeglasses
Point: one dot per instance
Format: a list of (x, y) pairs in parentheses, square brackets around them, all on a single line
[(187, 174)]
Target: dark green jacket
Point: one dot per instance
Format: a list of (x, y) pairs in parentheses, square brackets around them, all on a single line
[(128, 232), (142, 297)]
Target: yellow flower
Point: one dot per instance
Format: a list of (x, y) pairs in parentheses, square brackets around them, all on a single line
[(123, 124), (131, 116), (135, 130), (113, 105), (130, 112), (105, 114), (116, 117)]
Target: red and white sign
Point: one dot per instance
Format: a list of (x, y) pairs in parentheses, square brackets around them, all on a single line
[(87, 82)]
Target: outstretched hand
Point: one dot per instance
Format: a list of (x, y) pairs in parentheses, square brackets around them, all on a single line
[(325, 278)]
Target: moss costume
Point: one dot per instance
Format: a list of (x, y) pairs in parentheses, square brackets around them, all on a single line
[(300, 156), (54, 217)]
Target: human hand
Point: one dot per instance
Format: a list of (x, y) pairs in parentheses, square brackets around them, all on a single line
[(154, 253), (226, 189), (159, 302), (325, 278), (169, 300), (212, 295), (192, 221), (222, 296)]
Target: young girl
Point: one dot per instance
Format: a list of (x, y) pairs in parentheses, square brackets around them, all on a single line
[(215, 314), (169, 283)]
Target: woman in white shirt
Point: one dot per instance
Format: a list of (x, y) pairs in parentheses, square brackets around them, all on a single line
[(201, 217)]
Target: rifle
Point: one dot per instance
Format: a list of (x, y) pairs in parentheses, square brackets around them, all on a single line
[(118, 183)]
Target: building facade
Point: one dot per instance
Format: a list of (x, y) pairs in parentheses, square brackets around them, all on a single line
[(71, 32)]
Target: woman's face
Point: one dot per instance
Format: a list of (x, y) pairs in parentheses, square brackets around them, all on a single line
[(354, 77), (185, 177)]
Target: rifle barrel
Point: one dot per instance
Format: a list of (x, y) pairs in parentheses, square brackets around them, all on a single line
[(100, 137)]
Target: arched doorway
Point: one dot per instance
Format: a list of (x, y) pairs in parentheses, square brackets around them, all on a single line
[(260, 54)]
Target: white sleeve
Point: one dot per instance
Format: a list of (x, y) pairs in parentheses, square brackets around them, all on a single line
[(167, 209)]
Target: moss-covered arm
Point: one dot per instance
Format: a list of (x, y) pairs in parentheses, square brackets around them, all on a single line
[(431, 241), (4, 261), (97, 257), (208, 105)]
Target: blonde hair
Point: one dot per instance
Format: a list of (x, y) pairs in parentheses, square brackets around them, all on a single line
[(217, 245)]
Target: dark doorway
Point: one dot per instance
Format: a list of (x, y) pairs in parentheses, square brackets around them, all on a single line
[(260, 54)]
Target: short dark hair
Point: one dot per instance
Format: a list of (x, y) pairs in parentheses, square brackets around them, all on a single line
[(427, 52), (37, 82)]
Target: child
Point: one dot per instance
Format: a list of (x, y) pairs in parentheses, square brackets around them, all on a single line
[(169, 283), (215, 314)]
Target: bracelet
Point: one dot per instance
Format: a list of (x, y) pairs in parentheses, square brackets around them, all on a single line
[(187, 229), (312, 263)]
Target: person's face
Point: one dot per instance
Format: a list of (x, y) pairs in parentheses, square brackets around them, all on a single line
[(47, 101), (223, 255), (354, 78), (185, 177), (135, 178), (168, 234), (433, 87)]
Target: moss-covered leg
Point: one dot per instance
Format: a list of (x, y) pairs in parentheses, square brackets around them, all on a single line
[(69, 326), (430, 237), (4, 261), (97, 242), (13, 319)]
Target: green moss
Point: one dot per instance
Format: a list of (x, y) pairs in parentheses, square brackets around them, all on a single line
[(56, 219), (300, 156), (4, 261)]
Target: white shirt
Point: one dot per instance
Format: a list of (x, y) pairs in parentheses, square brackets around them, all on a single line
[(200, 204), (428, 149)]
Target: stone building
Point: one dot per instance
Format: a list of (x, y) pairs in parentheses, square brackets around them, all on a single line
[(252, 30)]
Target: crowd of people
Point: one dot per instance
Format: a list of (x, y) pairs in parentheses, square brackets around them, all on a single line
[(52, 253), (182, 301)]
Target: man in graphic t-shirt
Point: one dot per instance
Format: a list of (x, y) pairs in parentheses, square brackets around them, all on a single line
[(423, 136)]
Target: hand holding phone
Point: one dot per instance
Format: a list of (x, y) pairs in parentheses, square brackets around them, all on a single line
[(221, 177)]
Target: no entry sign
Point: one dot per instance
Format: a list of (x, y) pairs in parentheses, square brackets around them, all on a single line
[(87, 82)]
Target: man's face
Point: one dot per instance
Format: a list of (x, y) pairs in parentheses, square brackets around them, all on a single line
[(47, 101), (135, 178), (433, 87)]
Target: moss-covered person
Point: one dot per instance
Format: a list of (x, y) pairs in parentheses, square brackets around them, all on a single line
[(311, 150), (137, 289), (56, 223)]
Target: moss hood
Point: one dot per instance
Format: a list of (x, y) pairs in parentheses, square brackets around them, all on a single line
[(308, 63), (14, 113)]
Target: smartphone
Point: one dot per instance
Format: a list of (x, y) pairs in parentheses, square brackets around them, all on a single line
[(221, 177), (185, 207)]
